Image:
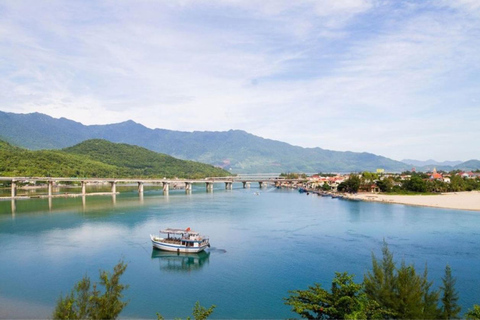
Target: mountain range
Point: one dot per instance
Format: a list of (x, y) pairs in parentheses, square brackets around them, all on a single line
[(234, 150)]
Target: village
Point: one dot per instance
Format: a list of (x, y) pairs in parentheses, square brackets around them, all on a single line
[(381, 182)]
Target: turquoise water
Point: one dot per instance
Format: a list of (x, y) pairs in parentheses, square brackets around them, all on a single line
[(262, 246)]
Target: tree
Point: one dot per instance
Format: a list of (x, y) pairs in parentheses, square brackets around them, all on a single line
[(380, 282), (430, 298), (473, 314), (401, 291), (415, 184), (199, 312), (86, 303), (409, 302), (346, 300), (352, 184), (450, 308), (457, 183), (436, 186), (326, 187), (369, 177), (385, 185)]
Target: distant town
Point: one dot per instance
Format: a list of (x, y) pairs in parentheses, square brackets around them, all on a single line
[(400, 183)]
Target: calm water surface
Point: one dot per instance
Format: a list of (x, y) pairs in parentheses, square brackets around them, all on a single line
[(262, 246)]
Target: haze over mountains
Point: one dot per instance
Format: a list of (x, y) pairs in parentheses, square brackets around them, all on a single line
[(234, 150), (430, 162)]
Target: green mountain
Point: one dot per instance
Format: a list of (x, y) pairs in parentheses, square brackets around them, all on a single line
[(50, 163), (142, 162), (7, 146), (234, 150), (469, 165), (99, 158)]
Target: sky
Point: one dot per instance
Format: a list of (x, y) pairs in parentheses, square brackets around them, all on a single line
[(395, 78)]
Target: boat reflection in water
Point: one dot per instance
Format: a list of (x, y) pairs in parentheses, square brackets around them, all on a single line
[(180, 262)]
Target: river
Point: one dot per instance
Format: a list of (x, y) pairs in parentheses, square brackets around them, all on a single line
[(262, 246)]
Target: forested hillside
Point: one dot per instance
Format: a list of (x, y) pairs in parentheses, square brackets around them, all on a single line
[(99, 158), (142, 161)]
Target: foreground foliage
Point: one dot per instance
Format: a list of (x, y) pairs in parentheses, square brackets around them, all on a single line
[(473, 313), (88, 302), (401, 289), (388, 291), (450, 309), (199, 312), (346, 300)]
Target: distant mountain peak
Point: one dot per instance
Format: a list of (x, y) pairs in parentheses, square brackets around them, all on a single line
[(130, 122), (126, 122)]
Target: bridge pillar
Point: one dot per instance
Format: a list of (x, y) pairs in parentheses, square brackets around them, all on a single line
[(140, 187), (14, 188), (166, 187), (209, 186), (114, 186), (50, 188), (246, 184), (14, 207), (228, 185), (84, 188), (188, 187), (260, 184)]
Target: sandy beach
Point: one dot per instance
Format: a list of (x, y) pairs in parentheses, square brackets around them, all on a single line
[(454, 200)]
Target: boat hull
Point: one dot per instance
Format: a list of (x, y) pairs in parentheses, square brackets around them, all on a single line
[(158, 244)]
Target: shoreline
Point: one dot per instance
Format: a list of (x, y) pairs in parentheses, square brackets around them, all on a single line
[(465, 200)]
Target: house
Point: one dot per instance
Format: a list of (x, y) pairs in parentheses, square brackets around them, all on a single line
[(372, 188), (435, 175), (467, 175)]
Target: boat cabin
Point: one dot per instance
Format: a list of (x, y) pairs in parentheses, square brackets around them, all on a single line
[(184, 237)]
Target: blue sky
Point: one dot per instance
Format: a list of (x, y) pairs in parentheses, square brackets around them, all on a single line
[(395, 78)]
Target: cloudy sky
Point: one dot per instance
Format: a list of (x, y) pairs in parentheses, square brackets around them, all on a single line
[(395, 78)]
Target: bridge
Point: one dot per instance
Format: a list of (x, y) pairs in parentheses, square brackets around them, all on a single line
[(246, 180)]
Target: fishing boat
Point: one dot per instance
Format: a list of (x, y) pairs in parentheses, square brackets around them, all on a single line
[(180, 240)]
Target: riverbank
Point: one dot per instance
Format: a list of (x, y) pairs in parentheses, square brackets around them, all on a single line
[(468, 200)]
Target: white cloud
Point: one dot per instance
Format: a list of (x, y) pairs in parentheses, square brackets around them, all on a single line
[(343, 75)]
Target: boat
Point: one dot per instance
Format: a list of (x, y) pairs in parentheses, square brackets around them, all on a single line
[(180, 240)]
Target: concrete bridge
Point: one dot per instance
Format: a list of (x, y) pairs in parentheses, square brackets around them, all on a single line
[(165, 183)]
